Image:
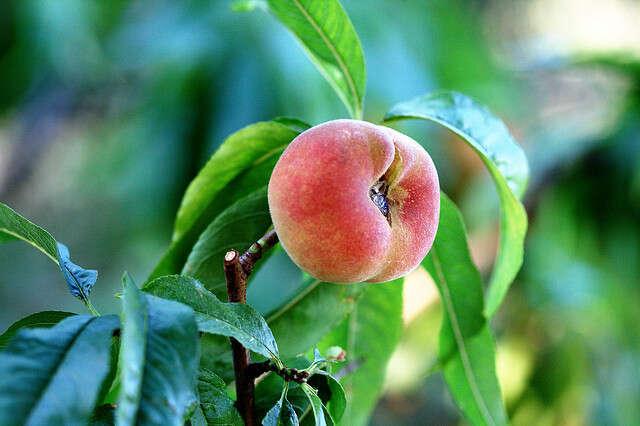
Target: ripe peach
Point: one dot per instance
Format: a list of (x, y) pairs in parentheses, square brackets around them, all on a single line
[(352, 202)]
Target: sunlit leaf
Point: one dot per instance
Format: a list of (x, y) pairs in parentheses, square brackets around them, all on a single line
[(326, 34), (237, 227), (13, 226), (466, 348), (242, 164), (505, 161), (53, 375)]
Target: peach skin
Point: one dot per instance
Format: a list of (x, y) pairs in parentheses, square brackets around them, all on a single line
[(352, 202)]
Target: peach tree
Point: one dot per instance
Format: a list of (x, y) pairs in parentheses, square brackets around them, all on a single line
[(355, 205)]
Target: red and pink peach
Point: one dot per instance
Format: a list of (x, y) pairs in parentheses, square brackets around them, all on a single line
[(352, 202)]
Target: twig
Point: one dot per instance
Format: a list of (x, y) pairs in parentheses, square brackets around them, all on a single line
[(288, 374), (237, 270), (251, 256)]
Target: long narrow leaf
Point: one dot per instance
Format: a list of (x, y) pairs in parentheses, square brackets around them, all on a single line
[(241, 165), (466, 348), (326, 34), (506, 163)]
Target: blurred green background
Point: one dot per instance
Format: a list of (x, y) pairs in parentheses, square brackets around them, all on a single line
[(109, 108)]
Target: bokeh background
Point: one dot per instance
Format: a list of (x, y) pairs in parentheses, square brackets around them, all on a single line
[(109, 108)]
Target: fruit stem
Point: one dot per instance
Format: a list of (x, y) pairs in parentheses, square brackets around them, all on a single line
[(237, 269)]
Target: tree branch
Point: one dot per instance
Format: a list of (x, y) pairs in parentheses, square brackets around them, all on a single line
[(236, 271)]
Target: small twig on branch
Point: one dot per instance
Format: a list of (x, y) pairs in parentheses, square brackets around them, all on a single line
[(237, 270), (251, 256), (288, 374)]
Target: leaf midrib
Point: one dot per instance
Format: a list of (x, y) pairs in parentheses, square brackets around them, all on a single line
[(293, 301), (459, 340), (57, 367), (235, 327), (20, 237)]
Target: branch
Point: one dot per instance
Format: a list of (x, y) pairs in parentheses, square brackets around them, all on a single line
[(236, 271)]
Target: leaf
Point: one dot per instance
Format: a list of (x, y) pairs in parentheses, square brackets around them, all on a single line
[(466, 348), (327, 36), (217, 407), (236, 320), (80, 280), (159, 357), (53, 375), (331, 393), (103, 416), (369, 336), (320, 412), (293, 123), (13, 226), (44, 319), (239, 152), (506, 163), (241, 165), (237, 227), (282, 413), (247, 5), (311, 314)]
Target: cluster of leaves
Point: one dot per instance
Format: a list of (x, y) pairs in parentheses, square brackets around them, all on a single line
[(158, 370)]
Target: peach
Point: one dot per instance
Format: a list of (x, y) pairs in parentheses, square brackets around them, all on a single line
[(353, 202)]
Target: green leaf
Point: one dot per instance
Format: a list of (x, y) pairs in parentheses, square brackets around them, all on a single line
[(282, 413), (330, 392), (241, 165), (13, 226), (80, 280), (247, 5), (311, 314), (236, 320), (216, 406), (326, 34), (506, 163), (159, 358), (44, 319), (237, 227), (466, 348), (53, 375), (293, 123), (336, 403), (239, 152), (320, 412), (369, 336), (104, 415)]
